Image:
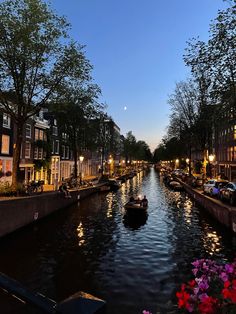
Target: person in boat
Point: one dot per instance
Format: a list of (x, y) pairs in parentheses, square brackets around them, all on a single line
[(144, 202), (131, 200)]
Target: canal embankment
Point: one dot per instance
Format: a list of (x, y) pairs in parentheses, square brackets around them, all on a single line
[(223, 213), (18, 212)]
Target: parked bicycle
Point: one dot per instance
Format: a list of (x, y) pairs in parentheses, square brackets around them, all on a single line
[(35, 187)]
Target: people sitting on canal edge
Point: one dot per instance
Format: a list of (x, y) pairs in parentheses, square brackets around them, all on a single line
[(63, 189), (144, 202)]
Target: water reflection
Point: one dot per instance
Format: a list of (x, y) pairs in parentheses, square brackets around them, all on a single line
[(80, 231), (133, 264), (135, 221)]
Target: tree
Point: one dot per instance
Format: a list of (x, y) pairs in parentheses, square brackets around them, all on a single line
[(213, 65), (143, 151), (184, 108), (76, 109), (129, 146), (35, 56)]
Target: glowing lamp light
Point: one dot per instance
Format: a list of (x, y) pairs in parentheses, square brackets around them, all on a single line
[(81, 158), (211, 158)]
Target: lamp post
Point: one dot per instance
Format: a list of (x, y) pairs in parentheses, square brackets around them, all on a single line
[(110, 164), (81, 159), (176, 163), (188, 165), (211, 159)]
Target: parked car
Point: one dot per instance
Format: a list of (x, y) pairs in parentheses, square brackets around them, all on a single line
[(228, 193), (213, 186), (178, 172)]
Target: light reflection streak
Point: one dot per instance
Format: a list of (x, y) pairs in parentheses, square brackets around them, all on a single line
[(80, 234), (212, 242), (188, 211), (109, 199)]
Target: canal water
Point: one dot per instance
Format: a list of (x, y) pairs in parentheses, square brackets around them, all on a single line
[(93, 247)]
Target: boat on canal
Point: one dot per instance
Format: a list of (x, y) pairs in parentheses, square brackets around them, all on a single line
[(135, 207), (114, 184)]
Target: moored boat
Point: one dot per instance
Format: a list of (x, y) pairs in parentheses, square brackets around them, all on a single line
[(114, 184)]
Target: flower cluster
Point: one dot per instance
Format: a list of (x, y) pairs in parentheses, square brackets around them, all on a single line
[(212, 291)]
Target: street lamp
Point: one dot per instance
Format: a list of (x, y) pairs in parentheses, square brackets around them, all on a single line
[(81, 159), (211, 159), (188, 165), (176, 163)]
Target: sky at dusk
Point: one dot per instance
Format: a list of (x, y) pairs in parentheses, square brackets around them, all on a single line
[(136, 48)]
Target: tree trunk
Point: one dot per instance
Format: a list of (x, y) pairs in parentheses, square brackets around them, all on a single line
[(102, 161), (75, 152), (16, 155)]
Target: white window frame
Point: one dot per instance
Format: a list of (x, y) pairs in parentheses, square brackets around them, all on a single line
[(28, 129), (36, 153), (54, 130), (40, 153), (56, 146), (67, 152), (6, 118), (63, 151), (27, 149)]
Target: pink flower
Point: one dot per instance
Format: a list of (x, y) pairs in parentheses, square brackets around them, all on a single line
[(229, 268), (224, 277)]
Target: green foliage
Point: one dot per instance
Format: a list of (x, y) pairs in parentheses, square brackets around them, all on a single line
[(41, 163), (169, 149), (7, 190), (36, 56), (198, 165), (197, 105)]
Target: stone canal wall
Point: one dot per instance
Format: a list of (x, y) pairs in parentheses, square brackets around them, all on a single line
[(16, 212), (224, 213)]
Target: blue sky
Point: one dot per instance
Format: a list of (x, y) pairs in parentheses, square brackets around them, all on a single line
[(136, 48)]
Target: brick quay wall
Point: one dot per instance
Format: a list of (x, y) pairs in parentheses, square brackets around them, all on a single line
[(19, 212), (223, 213)]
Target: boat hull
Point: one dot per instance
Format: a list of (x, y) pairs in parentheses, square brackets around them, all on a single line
[(135, 208)]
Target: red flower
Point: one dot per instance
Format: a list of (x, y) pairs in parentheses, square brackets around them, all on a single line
[(183, 298), (227, 284), (208, 306), (226, 293), (192, 283)]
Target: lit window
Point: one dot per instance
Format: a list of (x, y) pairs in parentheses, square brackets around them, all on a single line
[(27, 149), (36, 134), (8, 165), (28, 131), (5, 144), (41, 135), (6, 121)]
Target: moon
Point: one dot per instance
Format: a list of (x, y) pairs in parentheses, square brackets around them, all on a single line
[(125, 108)]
